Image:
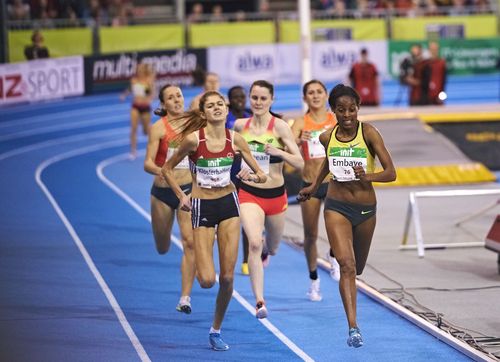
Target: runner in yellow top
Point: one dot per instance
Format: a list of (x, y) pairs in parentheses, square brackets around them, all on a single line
[(350, 204), (306, 131)]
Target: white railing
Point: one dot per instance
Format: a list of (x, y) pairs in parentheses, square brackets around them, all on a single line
[(413, 214)]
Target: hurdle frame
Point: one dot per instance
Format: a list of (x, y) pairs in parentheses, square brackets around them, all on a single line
[(413, 214)]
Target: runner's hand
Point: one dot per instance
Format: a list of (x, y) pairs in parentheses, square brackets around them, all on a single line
[(305, 135), (245, 174), (359, 173), (185, 203), (271, 150), (305, 193)]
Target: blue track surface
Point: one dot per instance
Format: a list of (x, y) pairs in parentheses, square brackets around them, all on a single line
[(62, 229)]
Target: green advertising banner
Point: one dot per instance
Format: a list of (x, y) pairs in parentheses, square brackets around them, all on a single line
[(462, 56)]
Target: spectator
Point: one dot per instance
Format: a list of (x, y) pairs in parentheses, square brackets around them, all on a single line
[(37, 50), (240, 15), (119, 12), (43, 9), (412, 74), (437, 76), (364, 79), (217, 14), (98, 14), (196, 15), (18, 10)]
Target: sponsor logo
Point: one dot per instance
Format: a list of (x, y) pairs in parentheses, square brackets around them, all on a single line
[(251, 63), (335, 59), (124, 66), (365, 212)]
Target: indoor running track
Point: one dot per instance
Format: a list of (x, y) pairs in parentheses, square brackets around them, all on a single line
[(81, 280)]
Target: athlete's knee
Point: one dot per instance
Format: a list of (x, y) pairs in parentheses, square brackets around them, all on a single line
[(206, 281), (347, 266), (255, 247), (163, 247), (188, 245), (226, 279)]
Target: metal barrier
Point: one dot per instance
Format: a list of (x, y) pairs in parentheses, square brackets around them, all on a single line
[(413, 214)]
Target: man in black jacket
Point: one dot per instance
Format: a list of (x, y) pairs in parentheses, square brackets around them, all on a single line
[(37, 50)]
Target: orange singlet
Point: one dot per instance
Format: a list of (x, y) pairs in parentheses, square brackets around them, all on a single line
[(313, 148)]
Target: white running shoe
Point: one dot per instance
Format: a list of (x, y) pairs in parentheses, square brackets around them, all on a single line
[(260, 310), (314, 292), (184, 305), (334, 266)]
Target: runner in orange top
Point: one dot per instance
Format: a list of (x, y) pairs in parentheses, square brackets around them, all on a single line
[(306, 131), (164, 202)]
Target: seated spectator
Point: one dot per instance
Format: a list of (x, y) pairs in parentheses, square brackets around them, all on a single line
[(97, 15), (37, 50), (18, 10), (240, 16), (196, 15), (217, 14), (43, 9)]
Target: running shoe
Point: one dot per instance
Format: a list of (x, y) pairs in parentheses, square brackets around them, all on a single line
[(244, 269), (184, 305), (334, 266), (314, 292), (355, 340), (217, 343), (260, 310)]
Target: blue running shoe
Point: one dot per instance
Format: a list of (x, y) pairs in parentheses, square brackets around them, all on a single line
[(355, 340), (217, 343)]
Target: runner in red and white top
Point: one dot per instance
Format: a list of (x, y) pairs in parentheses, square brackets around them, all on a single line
[(214, 203)]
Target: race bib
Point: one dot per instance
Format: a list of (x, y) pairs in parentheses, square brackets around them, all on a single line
[(184, 164), (260, 156), (314, 147), (342, 160), (213, 172)]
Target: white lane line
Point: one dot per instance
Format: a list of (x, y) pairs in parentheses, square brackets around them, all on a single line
[(271, 327), (63, 140), (55, 116), (86, 256), (48, 105), (67, 126)]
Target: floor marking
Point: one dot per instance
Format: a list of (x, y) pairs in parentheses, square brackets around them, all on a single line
[(99, 170), (63, 127), (62, 140), (86, 256), (51, 117)]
